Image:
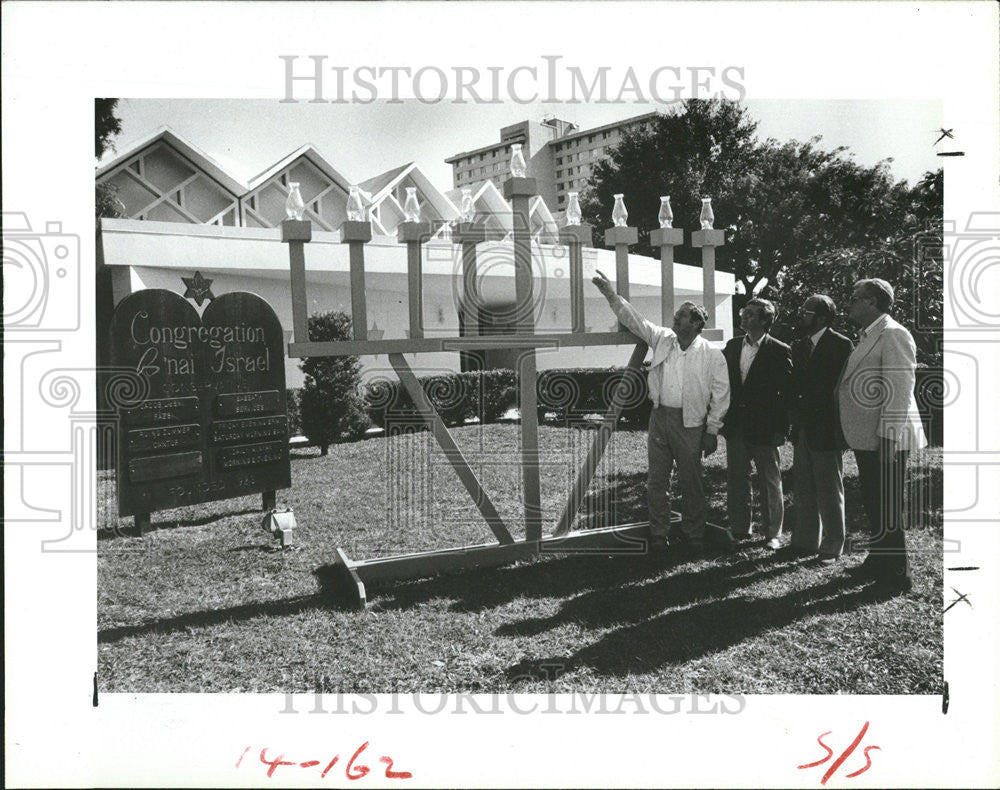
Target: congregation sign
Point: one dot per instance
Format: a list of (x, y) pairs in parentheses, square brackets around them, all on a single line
[(212, 424)]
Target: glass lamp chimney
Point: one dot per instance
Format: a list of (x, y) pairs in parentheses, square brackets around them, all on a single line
[(620, 214), (666, 215), (294, 205), (467, 210), (411, 208), (573, 212), (518, 168), (355, 208), (707, 215)]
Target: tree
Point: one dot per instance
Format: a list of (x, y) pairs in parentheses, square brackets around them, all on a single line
[(778, 202), (107, 126), (331, 406), (909, 257)]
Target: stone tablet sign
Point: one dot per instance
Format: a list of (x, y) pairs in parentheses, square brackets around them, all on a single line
[(213, 423)]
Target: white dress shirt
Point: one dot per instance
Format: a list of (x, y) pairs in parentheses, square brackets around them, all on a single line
[(748, 353)]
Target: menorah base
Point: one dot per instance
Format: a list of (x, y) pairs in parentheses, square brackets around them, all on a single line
[(353, 577)]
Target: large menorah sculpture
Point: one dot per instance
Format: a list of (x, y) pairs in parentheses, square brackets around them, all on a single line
[(627, 538)]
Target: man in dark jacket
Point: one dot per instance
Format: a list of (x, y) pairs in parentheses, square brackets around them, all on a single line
[(756, 424), (818, 469)]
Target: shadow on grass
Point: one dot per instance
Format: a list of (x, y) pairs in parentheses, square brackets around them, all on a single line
[(681, 636), (610, 577), (128, 531), (329, 596)]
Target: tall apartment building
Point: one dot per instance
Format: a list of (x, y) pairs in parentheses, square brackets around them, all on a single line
[(559, 156)]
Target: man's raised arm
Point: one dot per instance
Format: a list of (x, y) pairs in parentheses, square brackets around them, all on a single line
[(630, 317)]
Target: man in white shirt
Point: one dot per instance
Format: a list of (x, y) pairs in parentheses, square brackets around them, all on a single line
[(689, 388), (881, 423)]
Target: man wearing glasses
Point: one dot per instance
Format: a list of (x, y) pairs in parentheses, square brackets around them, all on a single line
[(818, 468), (756, 424), (881, 424), (689, 388)]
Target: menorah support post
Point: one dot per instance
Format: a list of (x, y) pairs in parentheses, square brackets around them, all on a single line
[(708, 240), (586, 473), (620, 238), (576, 237), (356, 234), (468, 236), (666, 239), (295, 233), (520, 191), (414, 234)]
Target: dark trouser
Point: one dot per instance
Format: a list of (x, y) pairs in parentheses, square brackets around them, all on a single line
[(883, 478)]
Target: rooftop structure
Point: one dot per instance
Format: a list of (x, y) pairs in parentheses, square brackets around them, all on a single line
[(560, 156)]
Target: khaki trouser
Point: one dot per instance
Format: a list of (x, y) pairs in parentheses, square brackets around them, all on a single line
[(819, 499), (669, 443), (739, 454)]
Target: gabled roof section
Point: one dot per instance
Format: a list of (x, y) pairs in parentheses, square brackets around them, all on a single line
[(486, 197), (383, 187), (192, 153), (383, 182), (311, 153)]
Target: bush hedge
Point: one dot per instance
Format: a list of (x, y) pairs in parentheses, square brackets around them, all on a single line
[(457, 397), (563, 393)]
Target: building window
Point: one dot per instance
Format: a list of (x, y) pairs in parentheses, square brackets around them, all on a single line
[(606, 135), (562, 198), (590, 139)]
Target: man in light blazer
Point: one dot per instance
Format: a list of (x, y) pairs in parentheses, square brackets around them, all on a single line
[(756, 424), (818, 469), (881, 424)]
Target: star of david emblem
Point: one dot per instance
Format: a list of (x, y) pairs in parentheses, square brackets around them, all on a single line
[(198, 288)]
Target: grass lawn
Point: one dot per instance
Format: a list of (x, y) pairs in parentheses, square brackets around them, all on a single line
[(208, 602)]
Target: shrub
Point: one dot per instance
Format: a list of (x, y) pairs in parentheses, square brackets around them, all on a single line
[(330, 407), (293, 398), (457, 397), (574, 392)]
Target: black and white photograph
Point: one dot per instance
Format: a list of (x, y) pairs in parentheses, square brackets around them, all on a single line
[(377, 404)]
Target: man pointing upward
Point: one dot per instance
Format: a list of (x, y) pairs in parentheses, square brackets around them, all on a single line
[(689, 388)]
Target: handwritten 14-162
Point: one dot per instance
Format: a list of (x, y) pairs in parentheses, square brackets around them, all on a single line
[(353, 769)]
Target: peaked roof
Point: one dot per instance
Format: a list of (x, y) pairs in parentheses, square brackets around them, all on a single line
[(199, 158), (380, 186), (385, 180), (311, 153)]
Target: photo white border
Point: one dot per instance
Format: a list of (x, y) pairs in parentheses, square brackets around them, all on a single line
[(58, 56)]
